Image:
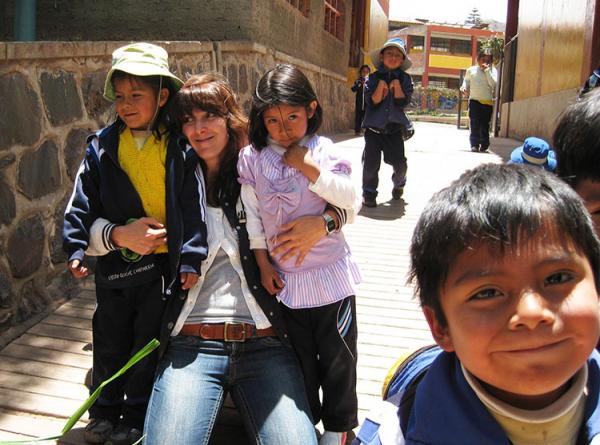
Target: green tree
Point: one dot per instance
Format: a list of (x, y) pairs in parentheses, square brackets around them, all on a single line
[(474, 17), (496, 44)]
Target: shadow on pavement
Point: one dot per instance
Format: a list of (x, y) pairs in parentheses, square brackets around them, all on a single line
[(385, 210)]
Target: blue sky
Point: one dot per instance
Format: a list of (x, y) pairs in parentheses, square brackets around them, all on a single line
[(447, 10)]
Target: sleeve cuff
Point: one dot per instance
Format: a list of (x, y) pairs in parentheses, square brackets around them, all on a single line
[(258, 243)]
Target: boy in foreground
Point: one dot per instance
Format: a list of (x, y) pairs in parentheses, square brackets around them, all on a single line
[(506, 265)]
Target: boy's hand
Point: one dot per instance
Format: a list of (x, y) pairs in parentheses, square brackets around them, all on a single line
[(78, 270), (396, 89), (142, 236), (270, 279), (188, 280), (382, 88)]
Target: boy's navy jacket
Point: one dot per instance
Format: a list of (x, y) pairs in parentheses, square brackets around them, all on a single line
[(389, 110), (103, 189), (434, 405)]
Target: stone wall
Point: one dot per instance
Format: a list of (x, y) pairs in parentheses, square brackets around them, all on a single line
[(273, 23), (51, 99)]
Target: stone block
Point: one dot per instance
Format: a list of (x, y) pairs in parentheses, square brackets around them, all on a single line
[(243, 80), (92, 88), (25, 247), (57, 255), (7, 299), (75, 147), (17, 100), (39, 171), (7, 160), (232, 76), (8, 208), (61, 98), (31, 301)]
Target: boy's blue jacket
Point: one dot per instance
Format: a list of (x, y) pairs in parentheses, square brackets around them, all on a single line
[(440, 408), (103, 189), (389, 110)]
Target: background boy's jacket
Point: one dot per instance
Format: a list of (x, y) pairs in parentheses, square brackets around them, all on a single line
[(389, 110), (103, 189), (435, 405)]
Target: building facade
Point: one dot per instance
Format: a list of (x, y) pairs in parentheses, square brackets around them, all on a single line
[(440, 52), (552, 47)]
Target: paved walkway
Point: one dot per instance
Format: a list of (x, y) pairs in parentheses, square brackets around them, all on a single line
[(43, 372)]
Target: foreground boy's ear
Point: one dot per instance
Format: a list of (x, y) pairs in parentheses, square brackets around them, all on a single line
[(439, 332), (164, 96), (312, 107)]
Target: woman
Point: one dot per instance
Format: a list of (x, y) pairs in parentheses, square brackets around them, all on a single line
[(227, 334)]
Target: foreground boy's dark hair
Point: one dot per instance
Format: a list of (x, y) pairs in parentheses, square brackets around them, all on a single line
[(283, 85), (501, 206), (577, 140)]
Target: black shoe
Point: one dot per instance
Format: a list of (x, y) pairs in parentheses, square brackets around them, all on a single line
[(397, 193), (98, 430), (474, 149), (124, 435), (369, 201), (483, 149)]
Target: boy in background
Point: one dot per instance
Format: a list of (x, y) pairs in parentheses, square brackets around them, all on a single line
[(387, 92)]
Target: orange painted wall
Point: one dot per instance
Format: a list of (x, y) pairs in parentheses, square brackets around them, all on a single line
[(551, 43)]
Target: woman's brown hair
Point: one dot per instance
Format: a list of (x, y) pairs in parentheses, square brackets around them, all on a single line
[(212, 93)]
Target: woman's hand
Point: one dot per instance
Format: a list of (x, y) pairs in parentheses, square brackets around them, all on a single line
[(188, 279), (142, 236), (298, 237)]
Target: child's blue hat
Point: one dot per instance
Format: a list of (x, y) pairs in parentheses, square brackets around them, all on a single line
[(140, 59), (534, 151), (396, 42)]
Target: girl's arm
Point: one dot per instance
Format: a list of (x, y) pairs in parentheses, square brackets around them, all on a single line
[(269, 277)]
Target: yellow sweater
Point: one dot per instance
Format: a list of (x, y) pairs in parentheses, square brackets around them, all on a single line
[(145, 167)]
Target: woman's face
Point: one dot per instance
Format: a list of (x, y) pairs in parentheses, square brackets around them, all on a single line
[(207, 134)]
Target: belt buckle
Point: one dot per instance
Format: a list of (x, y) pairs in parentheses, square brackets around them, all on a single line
[(230, 339)]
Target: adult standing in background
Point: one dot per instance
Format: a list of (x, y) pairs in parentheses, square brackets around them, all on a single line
[(480, 83), (359, 102)]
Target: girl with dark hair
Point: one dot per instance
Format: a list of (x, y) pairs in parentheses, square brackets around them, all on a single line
[(288, 172)]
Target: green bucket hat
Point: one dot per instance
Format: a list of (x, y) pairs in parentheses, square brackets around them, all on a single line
[(139, 59)]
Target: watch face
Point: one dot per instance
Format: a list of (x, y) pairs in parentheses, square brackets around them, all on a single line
[(330, 225)]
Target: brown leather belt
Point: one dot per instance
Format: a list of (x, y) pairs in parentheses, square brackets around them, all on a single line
[(237, 332)]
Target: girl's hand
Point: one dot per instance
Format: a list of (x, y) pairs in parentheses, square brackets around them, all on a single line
[(78, 270), (297, 156), (188, 280), (298, 237), (142, 236), (300, 158), (270, 279)]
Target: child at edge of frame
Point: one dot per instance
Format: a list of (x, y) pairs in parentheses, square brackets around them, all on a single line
[(288, 172), (387, 92), (511, 299), (136, 170)]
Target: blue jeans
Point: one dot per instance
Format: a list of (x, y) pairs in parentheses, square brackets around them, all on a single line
[(264, 379)]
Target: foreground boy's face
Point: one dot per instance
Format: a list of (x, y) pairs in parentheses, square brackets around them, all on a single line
[(522, 323), (590, 193), (392, 58)]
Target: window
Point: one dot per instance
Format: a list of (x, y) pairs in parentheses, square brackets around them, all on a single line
[(334, 23), (417, 43), (300, 5), (461, 47), (440, 45), (439, 82)]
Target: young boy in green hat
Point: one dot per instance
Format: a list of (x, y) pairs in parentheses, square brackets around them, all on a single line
[(135, 171)]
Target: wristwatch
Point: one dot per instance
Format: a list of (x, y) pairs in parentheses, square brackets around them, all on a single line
[(329, 223)]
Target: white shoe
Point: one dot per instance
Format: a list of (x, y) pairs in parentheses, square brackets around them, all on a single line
[(332, 438)]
